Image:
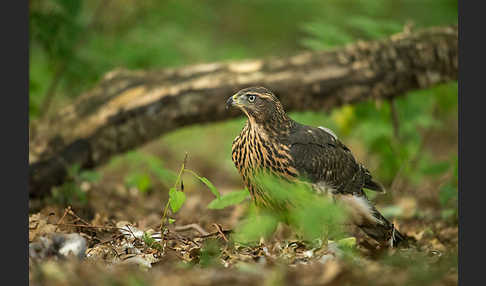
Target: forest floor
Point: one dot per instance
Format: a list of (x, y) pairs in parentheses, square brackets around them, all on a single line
[(197, 249)]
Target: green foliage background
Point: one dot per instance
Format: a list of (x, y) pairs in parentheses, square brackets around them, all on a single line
[(74, 42), (87, 38)]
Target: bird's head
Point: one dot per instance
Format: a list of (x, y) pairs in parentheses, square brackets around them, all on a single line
[(259, 104)]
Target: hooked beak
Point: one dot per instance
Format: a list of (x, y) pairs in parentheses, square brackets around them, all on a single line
[(233, 100)]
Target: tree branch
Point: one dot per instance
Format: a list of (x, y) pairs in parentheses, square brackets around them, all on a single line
[(129, 108)]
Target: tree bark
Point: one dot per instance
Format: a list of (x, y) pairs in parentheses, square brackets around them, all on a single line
[(129, 108)]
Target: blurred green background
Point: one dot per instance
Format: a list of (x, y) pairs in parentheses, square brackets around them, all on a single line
[(74, 42)]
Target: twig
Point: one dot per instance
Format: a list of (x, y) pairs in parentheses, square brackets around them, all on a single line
[(187, 240), (91, 226), (194, 226), (111, 239), (130, 230), (62, 218), (220, 230), (101, 226), (116, 252), (228, 231), (88, 225), (179, 177), (77, 217)]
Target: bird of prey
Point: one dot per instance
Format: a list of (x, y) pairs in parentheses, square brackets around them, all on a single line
[(273, 142)]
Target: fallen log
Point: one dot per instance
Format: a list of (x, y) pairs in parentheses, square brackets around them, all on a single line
[(130, 108)]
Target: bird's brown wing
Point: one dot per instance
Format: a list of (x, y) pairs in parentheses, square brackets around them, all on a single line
[(321, 158)]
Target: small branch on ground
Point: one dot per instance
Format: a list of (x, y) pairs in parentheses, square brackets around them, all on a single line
[(194, 226), (220, 230)]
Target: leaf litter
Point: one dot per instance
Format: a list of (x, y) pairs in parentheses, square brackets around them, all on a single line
[(202, 252), (119, 244)]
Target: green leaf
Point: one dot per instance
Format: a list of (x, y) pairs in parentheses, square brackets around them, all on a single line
[(230, 199), (176, 199), (210, 186), (255, 226), (206, 182), (171, 220), (347, 242), (150, 242), (148, 239)]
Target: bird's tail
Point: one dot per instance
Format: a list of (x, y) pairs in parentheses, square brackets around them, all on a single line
[(383, 231)]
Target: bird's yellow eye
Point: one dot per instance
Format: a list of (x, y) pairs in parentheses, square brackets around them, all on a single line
[(251, 98)]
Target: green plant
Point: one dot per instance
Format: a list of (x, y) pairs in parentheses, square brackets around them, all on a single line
[(177, 197), (56, 28), (229, 199), (71, 192), (398, 148), (367, 20), (210, 252), (311, 215), (150, 242), (144, 170)]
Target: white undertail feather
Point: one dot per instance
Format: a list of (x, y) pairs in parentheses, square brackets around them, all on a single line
[(392, 238), (359, 208)]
